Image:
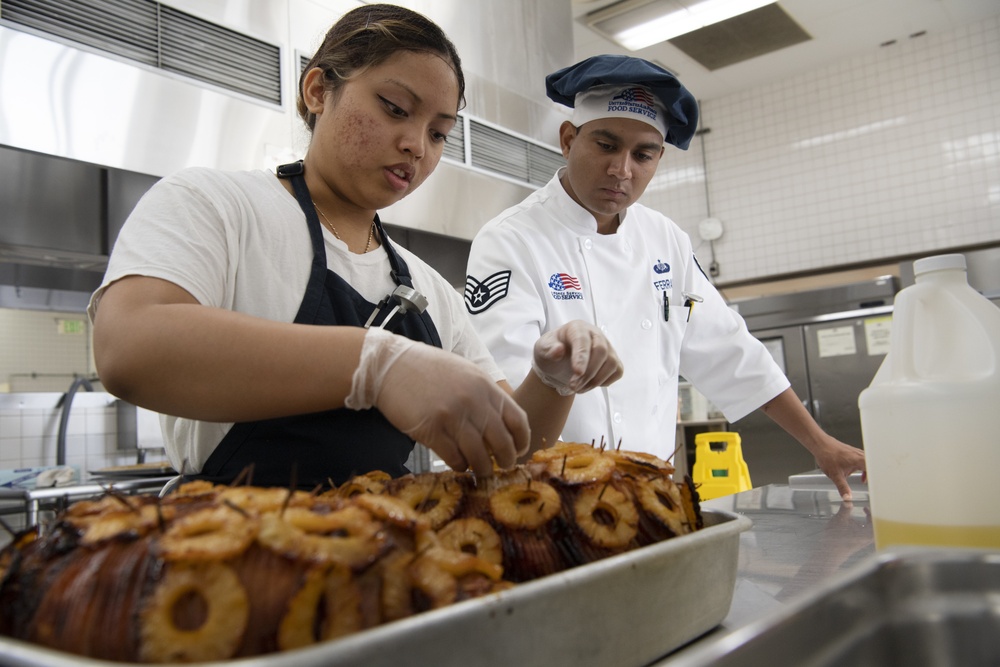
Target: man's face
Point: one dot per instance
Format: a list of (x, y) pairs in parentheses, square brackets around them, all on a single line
[(610, 161)]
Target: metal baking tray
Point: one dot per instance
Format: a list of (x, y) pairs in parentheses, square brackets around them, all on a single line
[(628, 609), (816, 480), (919, 607)]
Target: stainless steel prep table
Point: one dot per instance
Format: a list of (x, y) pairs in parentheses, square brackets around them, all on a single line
[(801, 538), (32, 500)]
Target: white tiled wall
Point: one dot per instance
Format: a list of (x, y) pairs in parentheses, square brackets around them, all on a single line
[(39, 361), (43, 350), (29, 429), (891, 154)]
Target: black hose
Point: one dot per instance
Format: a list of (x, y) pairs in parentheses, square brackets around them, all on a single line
[(67, 403)]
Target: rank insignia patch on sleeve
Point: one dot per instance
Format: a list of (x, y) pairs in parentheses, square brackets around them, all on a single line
[(481, 294)]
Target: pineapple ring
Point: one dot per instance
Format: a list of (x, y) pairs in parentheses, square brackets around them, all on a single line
[(641, 464), (342, 606), (433, 497), (606, 516), (661, 499), (263, 499), (348, 536), (559, 450), (473, 536), (440, 586), (213, 533), (582, 467), (97, 528), (460, 563), (370, 482), (197, 487), (691, 502), (391, 510), (84, 509), (526, 506), (226, 610), (396, 591), (298, 623)]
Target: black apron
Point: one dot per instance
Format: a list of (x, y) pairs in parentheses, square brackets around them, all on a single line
[(312, 449)]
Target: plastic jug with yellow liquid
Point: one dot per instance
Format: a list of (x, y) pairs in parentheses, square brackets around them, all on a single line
[(930, 419)]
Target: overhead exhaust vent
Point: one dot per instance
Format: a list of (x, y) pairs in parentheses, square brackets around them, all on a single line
[(454, 148), (218, 55), (158, 36), (742, 37), (501, 152)]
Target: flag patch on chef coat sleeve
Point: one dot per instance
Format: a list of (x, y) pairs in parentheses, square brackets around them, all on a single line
[(481, 294)]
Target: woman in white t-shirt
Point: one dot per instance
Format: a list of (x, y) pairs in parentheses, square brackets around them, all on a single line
[(280, 329)]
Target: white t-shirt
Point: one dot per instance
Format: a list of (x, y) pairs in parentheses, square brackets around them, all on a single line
[(541, 263), (239, 241)]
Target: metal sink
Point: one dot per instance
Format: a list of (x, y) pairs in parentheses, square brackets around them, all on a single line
[(915, 607)]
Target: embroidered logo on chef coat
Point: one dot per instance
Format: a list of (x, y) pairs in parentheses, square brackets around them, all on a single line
[(661, 268), (481, 294), (565, 287)]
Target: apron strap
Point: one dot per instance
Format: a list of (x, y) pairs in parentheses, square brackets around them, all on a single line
[(400, 271), (295, 171)]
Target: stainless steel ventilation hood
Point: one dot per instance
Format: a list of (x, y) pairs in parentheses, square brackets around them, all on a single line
[(87, 123), (58, 219)]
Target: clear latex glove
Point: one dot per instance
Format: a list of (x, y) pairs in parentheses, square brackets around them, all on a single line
[(575, 358), (441, 400)]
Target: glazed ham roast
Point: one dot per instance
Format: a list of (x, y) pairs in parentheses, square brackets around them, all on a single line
[(216, 572)]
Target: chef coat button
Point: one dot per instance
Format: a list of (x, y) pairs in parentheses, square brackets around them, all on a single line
[(588, 244), (617, 417), (628, 247), (604, 329), (646, 324)]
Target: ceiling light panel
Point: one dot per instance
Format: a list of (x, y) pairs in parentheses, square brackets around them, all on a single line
[(636, 24)]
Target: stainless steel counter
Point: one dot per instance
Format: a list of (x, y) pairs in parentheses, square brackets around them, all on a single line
[(801, 538), (33, 501)]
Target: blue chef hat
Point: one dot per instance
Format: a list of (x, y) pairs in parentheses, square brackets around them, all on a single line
[(625, 87)]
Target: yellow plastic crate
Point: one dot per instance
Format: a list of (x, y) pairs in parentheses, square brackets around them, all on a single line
[(719, 468)]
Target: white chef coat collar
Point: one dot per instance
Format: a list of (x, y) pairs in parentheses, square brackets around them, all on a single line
[(575, 216)]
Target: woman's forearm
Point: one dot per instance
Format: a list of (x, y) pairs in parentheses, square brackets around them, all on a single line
[(175, 356)]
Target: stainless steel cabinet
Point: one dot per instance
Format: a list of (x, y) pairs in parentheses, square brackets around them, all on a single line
[(830, 343), (771, 454), (842, 357)]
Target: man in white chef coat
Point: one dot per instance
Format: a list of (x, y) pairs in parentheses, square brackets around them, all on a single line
[(582, 248)]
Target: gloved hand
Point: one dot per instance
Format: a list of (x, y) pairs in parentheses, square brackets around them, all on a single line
[(575, 358), (440, 400)]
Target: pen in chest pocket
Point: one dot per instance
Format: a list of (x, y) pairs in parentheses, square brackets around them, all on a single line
[(689, 301)]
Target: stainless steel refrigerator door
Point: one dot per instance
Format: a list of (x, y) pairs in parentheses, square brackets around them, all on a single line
[(842, 357), (771, 454)]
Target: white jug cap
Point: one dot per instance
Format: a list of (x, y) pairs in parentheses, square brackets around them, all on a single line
[(939, 263)]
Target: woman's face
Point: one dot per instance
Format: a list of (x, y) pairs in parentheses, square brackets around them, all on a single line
[(382, 134)]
